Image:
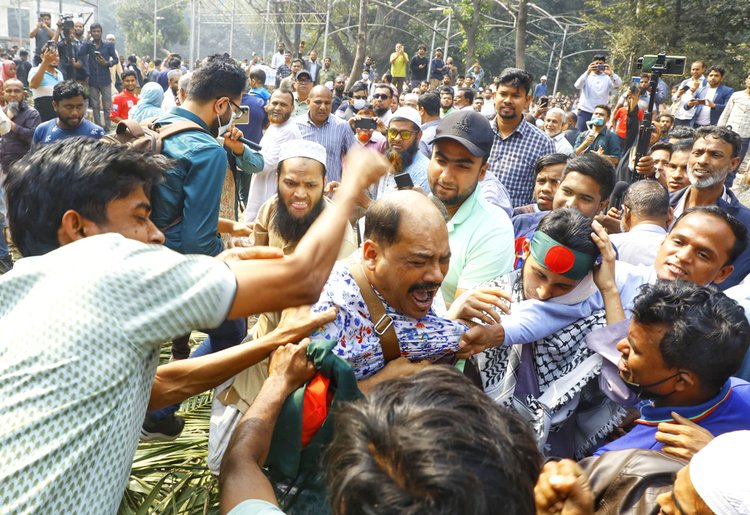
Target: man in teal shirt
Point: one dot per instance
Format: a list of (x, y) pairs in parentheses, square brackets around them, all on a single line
[(186, 204), (480, 234)]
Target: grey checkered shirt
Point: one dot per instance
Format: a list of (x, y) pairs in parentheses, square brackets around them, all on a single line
[(512, 160)]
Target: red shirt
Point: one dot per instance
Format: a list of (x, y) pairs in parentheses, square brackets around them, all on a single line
[(621, 120), (122, 104)]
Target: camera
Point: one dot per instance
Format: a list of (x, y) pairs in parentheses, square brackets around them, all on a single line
[(66, 23), (365, 123), (664, 64)]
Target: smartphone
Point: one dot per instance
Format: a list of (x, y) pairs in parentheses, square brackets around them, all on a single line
[(97, 53), (403, 181), (365, 123), (544, 102), (602, 67), (245, 118)]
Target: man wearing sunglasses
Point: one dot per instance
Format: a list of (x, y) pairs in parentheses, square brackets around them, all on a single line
[(381, 101), (186, 203)]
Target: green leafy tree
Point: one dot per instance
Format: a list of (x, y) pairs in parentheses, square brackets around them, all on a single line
[(136, 17)]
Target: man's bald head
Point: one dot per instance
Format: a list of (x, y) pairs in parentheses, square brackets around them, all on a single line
[(404, 209), (321, 91), (13, 82)]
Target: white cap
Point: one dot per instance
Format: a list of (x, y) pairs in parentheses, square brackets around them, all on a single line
[(718, 473), (407, 113), (543, 77), (303, 148)]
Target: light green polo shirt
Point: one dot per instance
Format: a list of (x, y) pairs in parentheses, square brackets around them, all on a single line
[(481, 241)]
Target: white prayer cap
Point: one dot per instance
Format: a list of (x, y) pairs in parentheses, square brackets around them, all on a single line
[(719, 473), (407, 113), (303, 148)]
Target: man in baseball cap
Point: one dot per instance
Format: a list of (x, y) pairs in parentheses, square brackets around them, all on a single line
[(481, 235), (303, 83)]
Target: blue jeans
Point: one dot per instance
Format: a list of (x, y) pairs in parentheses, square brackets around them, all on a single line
[(583, 117), (228, 334)]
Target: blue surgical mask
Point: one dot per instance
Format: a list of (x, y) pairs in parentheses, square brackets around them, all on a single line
[(597, 122)]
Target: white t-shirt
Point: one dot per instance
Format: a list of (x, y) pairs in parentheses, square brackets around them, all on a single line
[(80, 332)]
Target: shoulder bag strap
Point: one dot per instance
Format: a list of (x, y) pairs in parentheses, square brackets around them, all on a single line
[(383, 323)]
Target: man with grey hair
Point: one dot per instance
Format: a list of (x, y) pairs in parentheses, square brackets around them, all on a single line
[(555, 125), (411, 100), (182, 87), (171, 98), (644, 221)]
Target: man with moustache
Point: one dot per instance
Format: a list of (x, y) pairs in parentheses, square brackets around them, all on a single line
[(403, 152), (555, 127), (171, 98), (382, 98), (281, 129), (714, 155), (68, 99)]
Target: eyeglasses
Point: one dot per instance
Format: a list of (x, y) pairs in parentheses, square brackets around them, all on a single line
[(405, 134), (236, 111), (381, 96)]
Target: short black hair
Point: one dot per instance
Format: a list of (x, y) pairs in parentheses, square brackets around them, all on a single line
[(468, 94), (128, 73), (569, 227), (606, 108), (382, 221), (132, 58), (647, 199), (384, 86), (571, 117), (81, 174), (447, 91), (600, 57), (681, 132), (430, 102), (708, 332), (431, 443), (556, 158), (722, 133), (667, 115), (661, 145), (68, 89), (217, 76), (595, 166), (738, 228), (174, 63), (719, 69), (420, 46), (298, 60), (157, 62), (517, 78), (258, 74), (93, 26), (682, 145)]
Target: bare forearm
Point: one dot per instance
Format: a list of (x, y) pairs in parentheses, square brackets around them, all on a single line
[(179, 380), (36, 80), (241, 477), (613, 305)]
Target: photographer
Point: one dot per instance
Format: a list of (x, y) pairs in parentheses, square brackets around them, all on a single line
[(42, 33), (69, 42), (43, 79), (100, 56), (595, 84)]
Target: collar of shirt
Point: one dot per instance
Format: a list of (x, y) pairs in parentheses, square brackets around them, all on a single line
[(465, 210), (520, 129), (680, 207), (311, 123), (649, 228), (184, 113), (652, 416)]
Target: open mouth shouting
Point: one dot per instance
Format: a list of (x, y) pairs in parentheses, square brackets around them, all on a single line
[(422, 295)]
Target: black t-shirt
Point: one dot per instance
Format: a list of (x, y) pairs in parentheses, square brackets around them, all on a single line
[(416, 72)]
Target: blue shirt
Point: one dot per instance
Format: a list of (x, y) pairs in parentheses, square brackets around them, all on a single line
[(186, 204), (540, 90), (98, 74), (335, 135), (727, 411), (263, 93), (253, 130), (49, 131), (512, 159)]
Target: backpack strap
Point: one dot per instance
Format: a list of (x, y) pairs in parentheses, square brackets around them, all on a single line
[(172, 129), (383, 323)]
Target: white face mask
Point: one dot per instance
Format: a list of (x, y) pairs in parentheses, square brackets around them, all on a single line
[(359, 103), (223, 128)]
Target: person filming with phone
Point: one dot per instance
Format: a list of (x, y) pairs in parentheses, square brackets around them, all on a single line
[(595, 85), (43, 79)]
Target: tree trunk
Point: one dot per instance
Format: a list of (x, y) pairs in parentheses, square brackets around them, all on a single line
[(359, 56), (521, 19)]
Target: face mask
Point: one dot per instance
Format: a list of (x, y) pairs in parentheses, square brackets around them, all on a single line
[(363, 137), (640, 389), (223, 128), (597, 122), (359, 103)]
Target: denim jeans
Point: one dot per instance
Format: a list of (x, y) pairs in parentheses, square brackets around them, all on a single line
[(101, 99), (228, 334), (4, 251)]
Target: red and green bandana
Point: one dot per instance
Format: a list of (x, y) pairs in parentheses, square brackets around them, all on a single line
[(559, 259)]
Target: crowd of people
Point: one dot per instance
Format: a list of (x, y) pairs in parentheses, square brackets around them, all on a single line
[(468, 294)]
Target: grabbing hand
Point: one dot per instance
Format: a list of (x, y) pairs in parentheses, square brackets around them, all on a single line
[(604, 273), (479, 338), (299, 322), (289, 363), (645, 166), (563, 488), (683, 437), (485, 304), (231, 140)]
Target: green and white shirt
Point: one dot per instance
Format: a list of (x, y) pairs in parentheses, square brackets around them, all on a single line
[(80, 331)]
